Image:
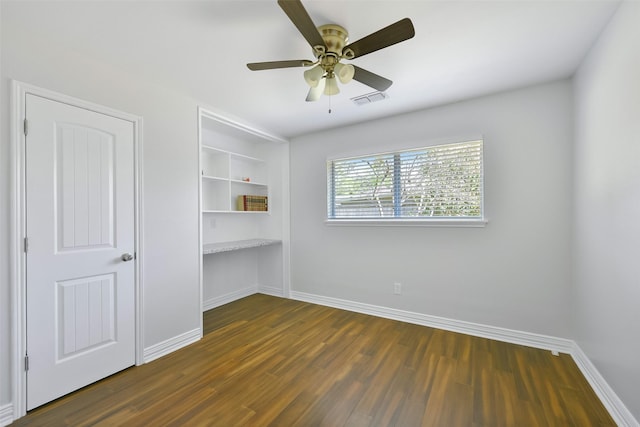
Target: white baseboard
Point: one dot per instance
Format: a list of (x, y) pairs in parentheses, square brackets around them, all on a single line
[(6, 414), (618, 411), (271, 290), (241, 293), (227, 298), (172, 344), (485, 331)]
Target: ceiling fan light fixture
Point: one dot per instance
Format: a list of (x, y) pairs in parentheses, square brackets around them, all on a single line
[(313, 75), (345, 72), (329, 45), (331, 87), (316, 92)]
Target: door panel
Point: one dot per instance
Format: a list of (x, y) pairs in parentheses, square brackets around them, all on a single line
[(84, 186), (80, 220), (86, 313)]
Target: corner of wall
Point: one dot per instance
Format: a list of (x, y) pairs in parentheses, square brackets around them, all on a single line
[(617, 409)]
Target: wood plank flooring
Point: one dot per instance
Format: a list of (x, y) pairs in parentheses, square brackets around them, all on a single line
[(267, 361)]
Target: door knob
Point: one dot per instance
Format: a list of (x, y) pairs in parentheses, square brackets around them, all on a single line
[(126, 257)]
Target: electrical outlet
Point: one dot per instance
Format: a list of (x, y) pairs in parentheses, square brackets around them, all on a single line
[(397, 288)]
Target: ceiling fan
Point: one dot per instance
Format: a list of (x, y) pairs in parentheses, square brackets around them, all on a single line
[(328, 43)]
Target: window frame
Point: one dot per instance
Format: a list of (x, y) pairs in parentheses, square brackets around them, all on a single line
[(427, 221)]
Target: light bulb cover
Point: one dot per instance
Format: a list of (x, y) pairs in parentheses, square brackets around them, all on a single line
[(345, 72), (313, 75), (316, 92), (331, 87)]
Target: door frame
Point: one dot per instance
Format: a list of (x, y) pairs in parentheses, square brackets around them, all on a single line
[(17, 221)]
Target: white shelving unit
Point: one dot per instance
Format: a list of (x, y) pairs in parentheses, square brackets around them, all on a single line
[(227, 175), (241, 252)]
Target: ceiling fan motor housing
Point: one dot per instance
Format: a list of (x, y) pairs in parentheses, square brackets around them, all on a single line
[(329, 46), (335, 38)]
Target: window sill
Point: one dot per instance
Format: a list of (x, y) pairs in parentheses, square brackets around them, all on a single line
[(418, 222)]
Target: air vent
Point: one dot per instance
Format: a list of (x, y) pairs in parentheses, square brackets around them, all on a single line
[(369, 98)]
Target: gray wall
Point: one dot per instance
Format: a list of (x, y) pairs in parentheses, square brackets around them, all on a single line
[(170, 156), (606, 292), (513, 273)]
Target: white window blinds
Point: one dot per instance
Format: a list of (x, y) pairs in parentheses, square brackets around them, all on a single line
[(443, 181)]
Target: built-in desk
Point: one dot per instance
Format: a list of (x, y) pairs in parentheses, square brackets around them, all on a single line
[(231, 272), (236, 161), (236, 245)]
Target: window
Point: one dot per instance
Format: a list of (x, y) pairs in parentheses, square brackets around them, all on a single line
[(439, 182)]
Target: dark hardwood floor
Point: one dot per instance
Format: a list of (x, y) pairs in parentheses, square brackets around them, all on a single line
[(267, 361)]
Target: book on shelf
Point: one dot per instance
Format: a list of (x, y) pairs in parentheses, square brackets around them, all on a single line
[(252, 203)]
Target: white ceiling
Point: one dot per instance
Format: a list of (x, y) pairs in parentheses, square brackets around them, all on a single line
[(461, 49)]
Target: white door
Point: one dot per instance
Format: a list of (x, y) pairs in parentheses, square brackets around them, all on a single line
[(80, 222)]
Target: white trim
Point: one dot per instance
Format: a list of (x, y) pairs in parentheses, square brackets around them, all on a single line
[(617, 409), (286, 220), (229, 297), (274, 291), (214, 302), (139, 235), (199, 212), (6, 414), (16, 255), (19, 90), (240, 126), (544, 342), (172, 344)]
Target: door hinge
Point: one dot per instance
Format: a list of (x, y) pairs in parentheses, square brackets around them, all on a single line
[(26, 126), (26, 363), (26, 245)]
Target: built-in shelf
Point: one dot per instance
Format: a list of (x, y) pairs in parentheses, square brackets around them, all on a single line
[(214, 248), (226, 175), (239, 253)]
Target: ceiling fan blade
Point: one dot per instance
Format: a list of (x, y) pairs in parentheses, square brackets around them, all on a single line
[(257, 66), (394, 33), (371, 79), (316, 92), (301, 19)]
